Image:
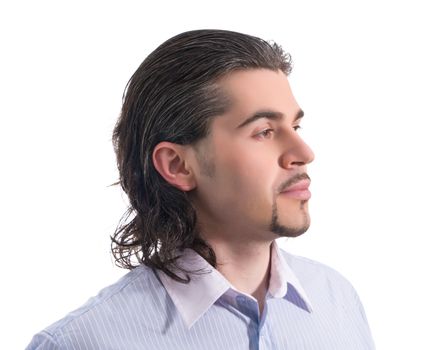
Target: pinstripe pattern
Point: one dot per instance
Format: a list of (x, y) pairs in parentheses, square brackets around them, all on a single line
[(141, 311)]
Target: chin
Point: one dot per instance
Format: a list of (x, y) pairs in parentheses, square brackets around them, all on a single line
[(292, 229), (287, 231), (293, 223)]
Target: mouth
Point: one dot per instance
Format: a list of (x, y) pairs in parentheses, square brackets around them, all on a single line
[(298, 191)]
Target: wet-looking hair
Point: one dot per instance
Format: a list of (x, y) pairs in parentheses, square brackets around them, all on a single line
[(173, 97)]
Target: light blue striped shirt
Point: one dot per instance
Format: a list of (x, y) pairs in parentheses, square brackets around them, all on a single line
[(308, 306)]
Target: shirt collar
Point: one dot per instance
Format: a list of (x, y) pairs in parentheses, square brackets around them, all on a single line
[(192, 300), (283, 282)]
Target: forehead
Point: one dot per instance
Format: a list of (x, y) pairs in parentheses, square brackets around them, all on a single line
[(253, 90)]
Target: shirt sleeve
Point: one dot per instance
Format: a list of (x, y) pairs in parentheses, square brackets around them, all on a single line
[(43, 341)]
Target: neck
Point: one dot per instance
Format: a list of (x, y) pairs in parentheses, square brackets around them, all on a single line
[(246, 267)]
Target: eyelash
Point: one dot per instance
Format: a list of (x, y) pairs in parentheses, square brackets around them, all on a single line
[(268, 131), (265, 133)]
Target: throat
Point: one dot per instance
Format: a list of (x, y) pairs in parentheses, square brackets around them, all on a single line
[(247, 271)]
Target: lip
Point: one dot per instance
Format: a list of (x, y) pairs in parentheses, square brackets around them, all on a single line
[(298, 191)]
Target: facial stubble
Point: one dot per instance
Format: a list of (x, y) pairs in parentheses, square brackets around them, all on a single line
[(285, 231)]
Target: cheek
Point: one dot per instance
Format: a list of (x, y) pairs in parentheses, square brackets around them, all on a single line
[(248, 172)]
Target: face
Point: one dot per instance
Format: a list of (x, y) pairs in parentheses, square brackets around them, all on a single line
[(251, 169)]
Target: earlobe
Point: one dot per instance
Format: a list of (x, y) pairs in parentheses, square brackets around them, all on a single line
[(169, 159)]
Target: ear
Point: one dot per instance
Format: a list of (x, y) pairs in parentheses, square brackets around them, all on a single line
[(169, 159)]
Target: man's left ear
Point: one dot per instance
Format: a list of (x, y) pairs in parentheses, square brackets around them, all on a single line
[(170, 160)]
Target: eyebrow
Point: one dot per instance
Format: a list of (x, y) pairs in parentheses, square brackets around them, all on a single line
[(268, 115)]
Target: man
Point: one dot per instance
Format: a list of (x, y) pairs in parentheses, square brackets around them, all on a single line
[(209, 154)]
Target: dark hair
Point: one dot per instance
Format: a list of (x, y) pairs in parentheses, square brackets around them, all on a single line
[(172, 97)]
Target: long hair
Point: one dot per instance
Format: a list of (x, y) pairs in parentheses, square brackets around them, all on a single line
[(173, 96)]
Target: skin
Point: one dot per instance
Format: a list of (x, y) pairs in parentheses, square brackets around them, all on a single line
[(235, 176)]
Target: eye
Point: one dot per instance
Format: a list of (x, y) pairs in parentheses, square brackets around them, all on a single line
[(297, 127), (265, 134)]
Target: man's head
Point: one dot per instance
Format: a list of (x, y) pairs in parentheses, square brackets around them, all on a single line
[(208, 132)]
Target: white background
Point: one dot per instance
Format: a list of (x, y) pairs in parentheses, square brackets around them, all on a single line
[(362, 73)]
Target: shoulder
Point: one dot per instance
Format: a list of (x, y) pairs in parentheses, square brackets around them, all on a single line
[(334, 300), (327, 289), (103, 312), (316, 277)]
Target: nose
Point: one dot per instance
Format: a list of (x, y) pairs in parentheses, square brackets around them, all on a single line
[(296, 153)]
